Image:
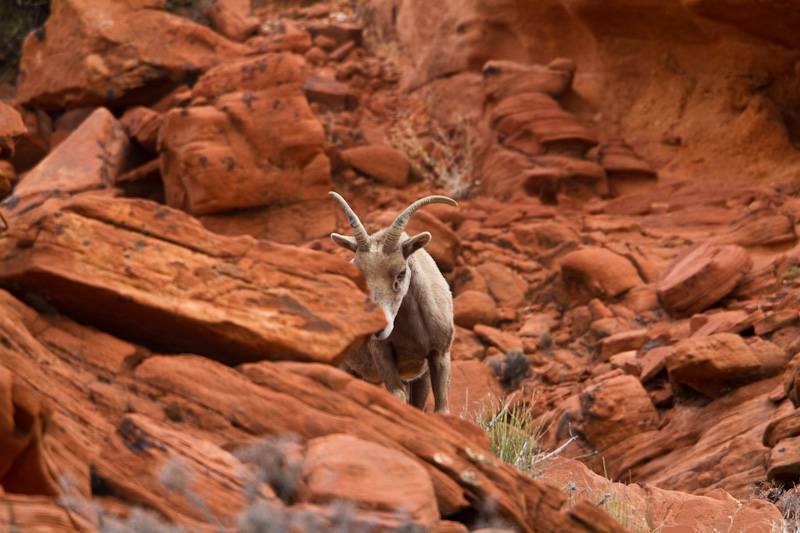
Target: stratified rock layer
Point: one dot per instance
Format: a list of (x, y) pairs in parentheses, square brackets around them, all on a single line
[(155, 274)]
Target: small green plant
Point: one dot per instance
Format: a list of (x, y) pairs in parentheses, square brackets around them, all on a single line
[(445, 160), (515, 435)]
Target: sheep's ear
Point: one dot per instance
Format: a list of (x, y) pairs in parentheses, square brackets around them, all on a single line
[(345, 242), (412, 244)]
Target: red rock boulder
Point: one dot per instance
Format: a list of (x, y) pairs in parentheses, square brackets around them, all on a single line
[(700, 276), (249, 150), (473, 307), (11, 127), (89, 159), (616, 409), (381, 163), (340, 464), (712, 365), (597, 272), (93, 52)]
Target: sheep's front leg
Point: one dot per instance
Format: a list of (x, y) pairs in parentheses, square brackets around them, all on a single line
[(440, 379), (383, 355)]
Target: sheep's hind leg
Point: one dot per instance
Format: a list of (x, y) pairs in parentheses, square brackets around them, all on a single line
[(420, 388), (439, 368)]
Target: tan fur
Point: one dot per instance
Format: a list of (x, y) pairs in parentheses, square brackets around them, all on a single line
[(417, 352)]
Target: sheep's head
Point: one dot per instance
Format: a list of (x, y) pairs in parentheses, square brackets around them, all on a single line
[(383, 256)]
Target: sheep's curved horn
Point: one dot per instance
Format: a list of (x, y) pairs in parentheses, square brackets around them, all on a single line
[(396, 229), (362, 238)]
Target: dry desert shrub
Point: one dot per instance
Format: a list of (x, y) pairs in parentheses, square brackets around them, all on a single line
[(786, 498), (443, 157), (275, 461)]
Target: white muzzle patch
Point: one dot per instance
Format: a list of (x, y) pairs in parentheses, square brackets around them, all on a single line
[(385, 332)]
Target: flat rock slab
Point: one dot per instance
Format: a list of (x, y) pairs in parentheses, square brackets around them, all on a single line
[(154, 274)]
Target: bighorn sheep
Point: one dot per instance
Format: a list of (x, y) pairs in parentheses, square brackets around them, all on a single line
[(405, 282)]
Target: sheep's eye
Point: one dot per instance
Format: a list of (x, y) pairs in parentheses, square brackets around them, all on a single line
[(398, 279)]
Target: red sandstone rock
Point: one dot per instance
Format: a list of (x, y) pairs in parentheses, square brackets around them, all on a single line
[(506, 287), (621, 162), (445, 246), (629, 340), (760, 228), (593, 271), (502, 79), (536, 117), (35, 142), (616, 409), (23, 468), (750, 17), (784, 461), (11, 127), (466, 345), (251, 74), (35, 513), (90, 158), (557, 174), (232, 19), (653, 362), (468, 278), (712, 365), (473, 307), (339, 464), (92, 52), (151, 463), (670, 510), (202, 405), (782, 428), (296, 223), (143, 124), (285, 37), (331, 94), (700, 276), (473, 389), (339, 32), (264, 147), (506, 342), (382, 163)]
